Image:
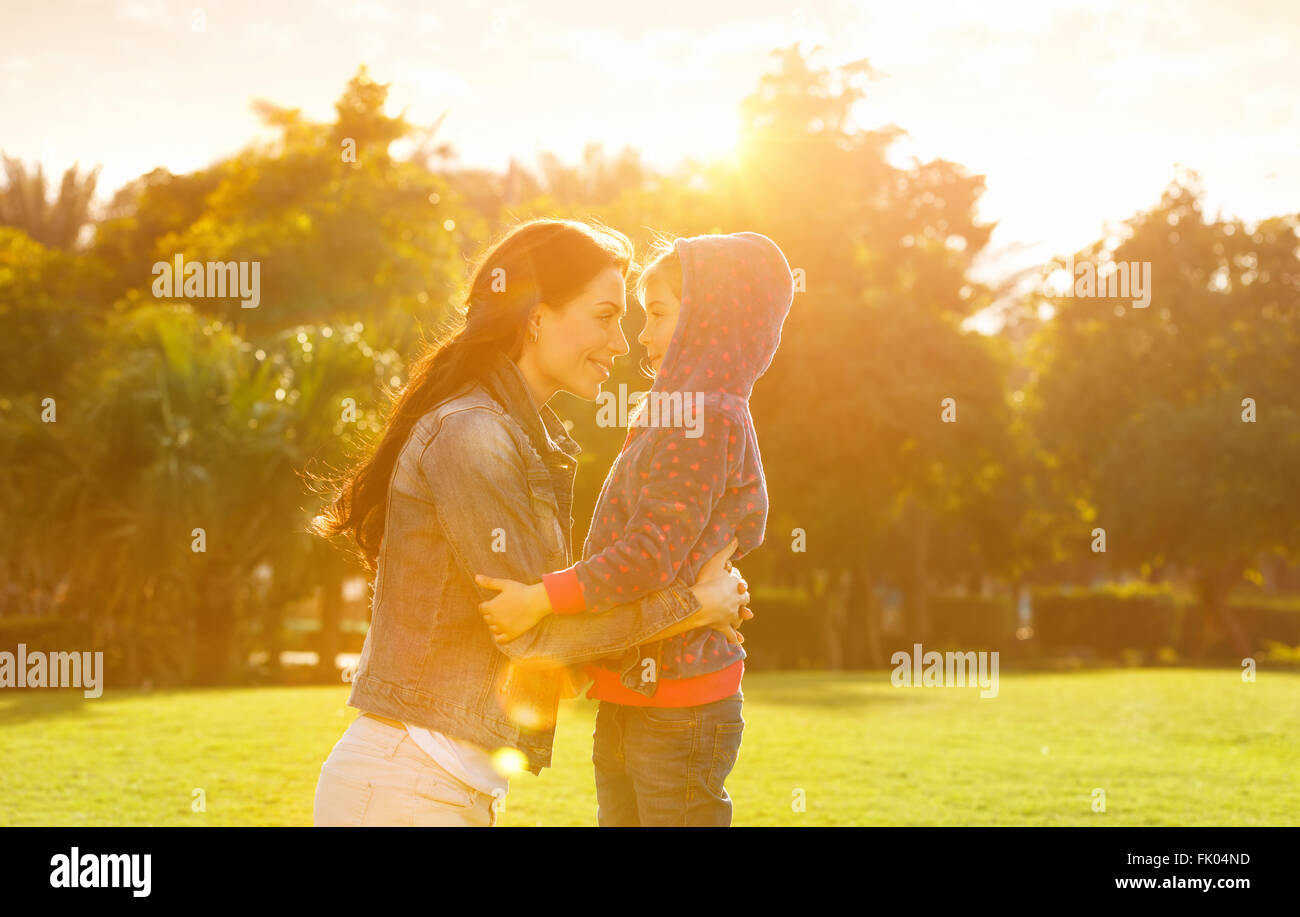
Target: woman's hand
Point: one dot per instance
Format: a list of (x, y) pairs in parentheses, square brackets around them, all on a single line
[(723, 595), (515, 610)]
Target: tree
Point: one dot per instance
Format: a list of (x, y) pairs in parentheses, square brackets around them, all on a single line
[(25, 204), (1146, 408), (47, 315), (341, 230), (177, 426), (851, 406)]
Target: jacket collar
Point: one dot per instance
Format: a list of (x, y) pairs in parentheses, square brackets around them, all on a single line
[(506, 383)]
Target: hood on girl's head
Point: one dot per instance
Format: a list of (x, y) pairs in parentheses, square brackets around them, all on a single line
[(736, 293)]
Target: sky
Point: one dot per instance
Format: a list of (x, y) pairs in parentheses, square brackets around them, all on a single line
[(1078, 113)]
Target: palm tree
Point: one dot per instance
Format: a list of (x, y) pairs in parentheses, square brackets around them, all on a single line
[(25, 203), (177, 424)]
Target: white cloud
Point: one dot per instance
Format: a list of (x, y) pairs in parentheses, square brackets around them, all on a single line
[(366, 12), (663, 55), (146, 12), (277, 37), (437, 81)]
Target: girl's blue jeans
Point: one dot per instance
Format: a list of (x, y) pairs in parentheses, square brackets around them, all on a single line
[(665, 766)]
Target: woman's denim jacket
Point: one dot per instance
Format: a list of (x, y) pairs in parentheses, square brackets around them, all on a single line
[(484, 484)]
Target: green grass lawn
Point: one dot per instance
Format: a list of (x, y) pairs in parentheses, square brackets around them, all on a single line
[(1168, 746)]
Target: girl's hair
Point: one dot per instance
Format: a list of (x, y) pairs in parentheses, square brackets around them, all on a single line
[(663, 261), (538, 261)]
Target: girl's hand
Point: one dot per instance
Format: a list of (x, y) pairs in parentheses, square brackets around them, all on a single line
[(515, 610), (723, 595)]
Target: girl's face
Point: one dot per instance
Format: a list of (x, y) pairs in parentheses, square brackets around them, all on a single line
[(578, 341), (662, 307)]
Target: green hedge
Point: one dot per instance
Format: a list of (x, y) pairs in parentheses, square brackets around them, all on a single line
[(789, 628), (1264, 618), (44, 632), (1107, 619), (973, 622), (787, 632), (1137, 616)]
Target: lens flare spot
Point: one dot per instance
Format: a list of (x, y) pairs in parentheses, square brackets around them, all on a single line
[(509, 762), (525, 715)]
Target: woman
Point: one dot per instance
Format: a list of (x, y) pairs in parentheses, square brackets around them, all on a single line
[(474, 474)]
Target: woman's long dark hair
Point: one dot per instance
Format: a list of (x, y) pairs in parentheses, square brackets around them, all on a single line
[(533, 262)]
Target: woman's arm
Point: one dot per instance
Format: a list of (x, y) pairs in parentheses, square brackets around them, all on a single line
[(518, 607), (717, 600), (707, 616), (479, 481), (642, 558)]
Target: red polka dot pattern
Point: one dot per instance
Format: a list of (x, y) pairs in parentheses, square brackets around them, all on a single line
[(679, 491)]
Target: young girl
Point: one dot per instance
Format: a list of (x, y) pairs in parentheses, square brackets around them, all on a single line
[(688, 481)]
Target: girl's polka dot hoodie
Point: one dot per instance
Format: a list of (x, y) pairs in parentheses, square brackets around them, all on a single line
[(689, 476)]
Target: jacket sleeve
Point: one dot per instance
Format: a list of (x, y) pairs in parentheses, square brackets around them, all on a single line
[(568, 639), (684, 481), (486, 510)]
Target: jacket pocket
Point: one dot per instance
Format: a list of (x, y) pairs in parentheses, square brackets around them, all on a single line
[(541, 492)]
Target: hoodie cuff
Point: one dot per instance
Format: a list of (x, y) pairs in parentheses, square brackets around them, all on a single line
[(564, 589)]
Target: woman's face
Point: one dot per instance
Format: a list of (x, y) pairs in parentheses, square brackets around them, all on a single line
[(578, 340), (662, 307)]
